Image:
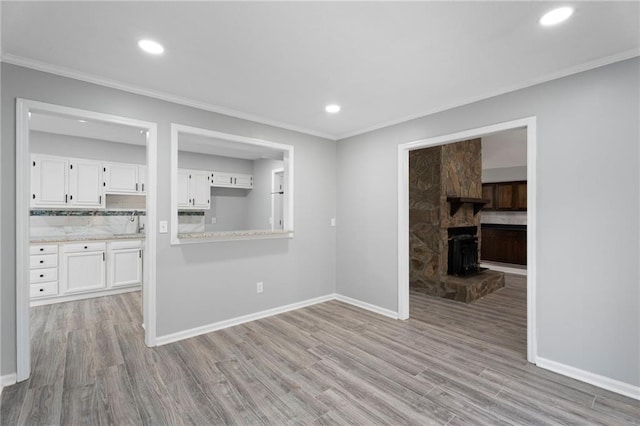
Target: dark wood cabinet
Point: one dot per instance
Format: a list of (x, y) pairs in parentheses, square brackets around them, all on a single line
[(505, 196), (504, 243), (488, 190)]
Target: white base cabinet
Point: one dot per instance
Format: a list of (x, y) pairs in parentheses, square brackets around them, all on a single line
[(69, 271), (125, 263), (83, 267)]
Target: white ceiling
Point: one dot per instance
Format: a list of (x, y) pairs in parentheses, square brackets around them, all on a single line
[(282, 62)]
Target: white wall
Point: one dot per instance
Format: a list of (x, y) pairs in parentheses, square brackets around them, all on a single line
[(588, 301), (198, 284)]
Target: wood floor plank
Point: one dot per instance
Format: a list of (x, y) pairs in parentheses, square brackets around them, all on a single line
[(329, 364)]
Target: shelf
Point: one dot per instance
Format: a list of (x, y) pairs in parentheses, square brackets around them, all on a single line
[(457, 202)]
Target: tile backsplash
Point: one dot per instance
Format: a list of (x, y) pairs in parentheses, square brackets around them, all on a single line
[(46, 223), (504, 218)]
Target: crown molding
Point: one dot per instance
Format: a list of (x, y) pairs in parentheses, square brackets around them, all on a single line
[(114, 84), (89, 78), (532, 82)]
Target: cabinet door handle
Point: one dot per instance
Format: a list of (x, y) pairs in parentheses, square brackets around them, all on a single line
[(70, 197), (136, 186), (230, 180), (103, 258), (42, 289), (100, 199), (85, 247), (65, 198), (41, 248), (41, 275), (42, 261), (143, 187), (140, 254), (33, 196)]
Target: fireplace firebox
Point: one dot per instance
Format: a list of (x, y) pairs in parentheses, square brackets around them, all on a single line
[(463, 251)]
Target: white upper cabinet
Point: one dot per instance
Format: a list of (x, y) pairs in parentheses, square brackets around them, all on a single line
[(194, 189), (85, 183), (142, 178), (231, 180), (49, 181), (121, 178), (65, 182), (200, 189)]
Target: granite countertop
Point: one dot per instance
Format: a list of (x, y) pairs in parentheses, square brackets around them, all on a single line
[(252, 234), (505, 226), (94, 237)]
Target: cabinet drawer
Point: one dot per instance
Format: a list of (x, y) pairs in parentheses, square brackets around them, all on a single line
[(74, 248), (43, 249), (116, 245), (43, 261), (43, 289), (43, 275)]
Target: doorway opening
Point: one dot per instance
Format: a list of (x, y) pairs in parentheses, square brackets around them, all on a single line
[(85, 216), (404, 256)]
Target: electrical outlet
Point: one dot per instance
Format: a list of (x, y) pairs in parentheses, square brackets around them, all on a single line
[(333, 221), (259, 287), (164, 227)]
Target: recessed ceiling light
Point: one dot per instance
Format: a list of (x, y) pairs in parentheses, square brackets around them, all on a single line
[(151, 46), (333, 108), (556, 16), (82, 121)]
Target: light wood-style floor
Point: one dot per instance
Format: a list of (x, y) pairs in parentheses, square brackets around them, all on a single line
[(323, 365)]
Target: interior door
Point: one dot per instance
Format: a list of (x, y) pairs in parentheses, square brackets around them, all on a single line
[(183, 189)]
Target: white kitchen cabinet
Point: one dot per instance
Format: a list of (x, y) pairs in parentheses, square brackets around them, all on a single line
[(85, 183), (125, 263), (142, 179), (231, 180), (83, 267), (194, 189), (59, 182), (121, 178), (49, 177), (43, 274)]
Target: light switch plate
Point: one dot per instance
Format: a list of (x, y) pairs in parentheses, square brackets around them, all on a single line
[(333, 221), (164, 227)]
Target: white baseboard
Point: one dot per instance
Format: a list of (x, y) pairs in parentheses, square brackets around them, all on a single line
[(594, 379), (367, 306), (8, 380), (169, 338)]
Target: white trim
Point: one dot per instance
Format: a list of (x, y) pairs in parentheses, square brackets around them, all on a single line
[(8, 380), (594, 379), (82, 296), (403, 215), (23, 108), (287, 152), (532, 82), (506, 269), (196, 331), (368, 306), (131, 88), (77, 75)]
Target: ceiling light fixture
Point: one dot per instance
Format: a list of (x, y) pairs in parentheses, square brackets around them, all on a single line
[(332, 109), (82, 121), (556, 16), (151, 46)]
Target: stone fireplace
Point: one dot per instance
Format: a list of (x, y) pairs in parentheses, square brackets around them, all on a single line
[(436, 176)]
